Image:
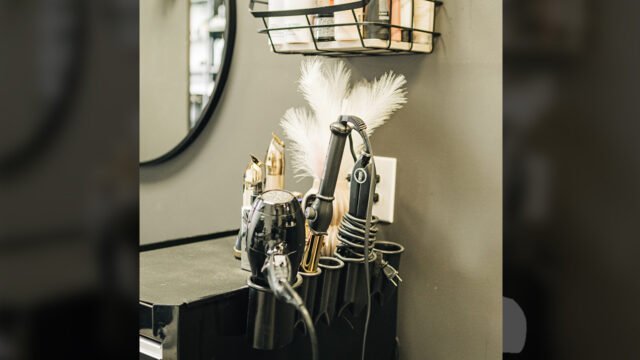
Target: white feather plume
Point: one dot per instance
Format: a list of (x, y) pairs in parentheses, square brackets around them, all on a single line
[(325, 85), (304, 148), (374, 102)]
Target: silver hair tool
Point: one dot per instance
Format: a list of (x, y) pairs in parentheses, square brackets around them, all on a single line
[(252, 187)]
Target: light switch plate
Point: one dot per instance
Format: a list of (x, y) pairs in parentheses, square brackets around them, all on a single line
[(386, 188)]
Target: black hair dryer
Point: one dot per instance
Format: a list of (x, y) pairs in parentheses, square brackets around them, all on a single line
[(275, 243)]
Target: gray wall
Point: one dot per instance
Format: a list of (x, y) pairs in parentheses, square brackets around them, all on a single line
[(448, 143)]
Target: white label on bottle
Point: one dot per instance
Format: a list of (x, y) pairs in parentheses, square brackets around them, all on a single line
[(324, 32)]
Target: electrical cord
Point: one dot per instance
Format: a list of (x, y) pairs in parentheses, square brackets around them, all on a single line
[(353, 151), (355, 225), (278, 270), (352, 231), (367, 229), (299, 305)]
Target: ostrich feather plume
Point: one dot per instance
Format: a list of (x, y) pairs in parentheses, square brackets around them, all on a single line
[(326, 87), (374, 102), (301, 127)]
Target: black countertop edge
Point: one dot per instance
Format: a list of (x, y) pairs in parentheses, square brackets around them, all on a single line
[(186, 240)]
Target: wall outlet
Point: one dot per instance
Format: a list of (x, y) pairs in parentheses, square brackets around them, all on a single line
[(386, 188)]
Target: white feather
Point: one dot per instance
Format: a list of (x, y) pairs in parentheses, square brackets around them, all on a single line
[(374, 102), (325, 86), (298, 125)]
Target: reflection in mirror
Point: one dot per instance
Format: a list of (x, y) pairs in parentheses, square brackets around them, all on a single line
[(206, 32), (185, 52)]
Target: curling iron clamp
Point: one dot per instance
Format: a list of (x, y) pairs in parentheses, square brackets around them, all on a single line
[(312, 248), (319, 207)]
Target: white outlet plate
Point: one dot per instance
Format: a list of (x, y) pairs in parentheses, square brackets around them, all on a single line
[(386, 188)]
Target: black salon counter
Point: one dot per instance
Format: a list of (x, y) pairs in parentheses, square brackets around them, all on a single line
[(190, 273), (193, 304)]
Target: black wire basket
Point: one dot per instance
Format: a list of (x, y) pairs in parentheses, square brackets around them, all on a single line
[(306, 31)]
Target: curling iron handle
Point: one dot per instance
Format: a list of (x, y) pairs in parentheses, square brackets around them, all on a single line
[(339, 133), (320, 212)]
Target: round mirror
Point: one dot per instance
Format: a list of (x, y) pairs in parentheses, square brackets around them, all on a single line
[(185, 55)]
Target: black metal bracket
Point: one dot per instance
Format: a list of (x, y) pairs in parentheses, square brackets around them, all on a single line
[(391, 47)]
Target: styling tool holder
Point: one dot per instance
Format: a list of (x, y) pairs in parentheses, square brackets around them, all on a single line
[(270, 321), (327, 295), (308, 292), (352, 292), (348, 33), (388, 257)]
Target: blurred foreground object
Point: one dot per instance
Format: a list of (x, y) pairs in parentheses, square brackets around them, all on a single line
[(68, 179)]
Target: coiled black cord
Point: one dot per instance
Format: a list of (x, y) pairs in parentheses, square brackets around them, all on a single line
[(351, 233), (352, 230)]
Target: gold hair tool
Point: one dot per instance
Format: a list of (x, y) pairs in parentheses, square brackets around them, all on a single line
[(313, 244), (253, 181), (312, 248), (274, 164)]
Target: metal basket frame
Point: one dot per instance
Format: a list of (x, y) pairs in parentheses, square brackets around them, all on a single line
[(364, 50)]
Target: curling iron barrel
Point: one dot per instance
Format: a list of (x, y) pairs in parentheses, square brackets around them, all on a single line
[(320, 212)]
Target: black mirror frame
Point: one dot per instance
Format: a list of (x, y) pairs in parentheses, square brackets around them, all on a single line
[(206, 114)]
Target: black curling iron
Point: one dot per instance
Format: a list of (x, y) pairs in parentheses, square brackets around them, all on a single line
[(320, 211)]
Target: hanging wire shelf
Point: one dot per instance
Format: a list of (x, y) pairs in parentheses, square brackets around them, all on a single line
[(305, 31)]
